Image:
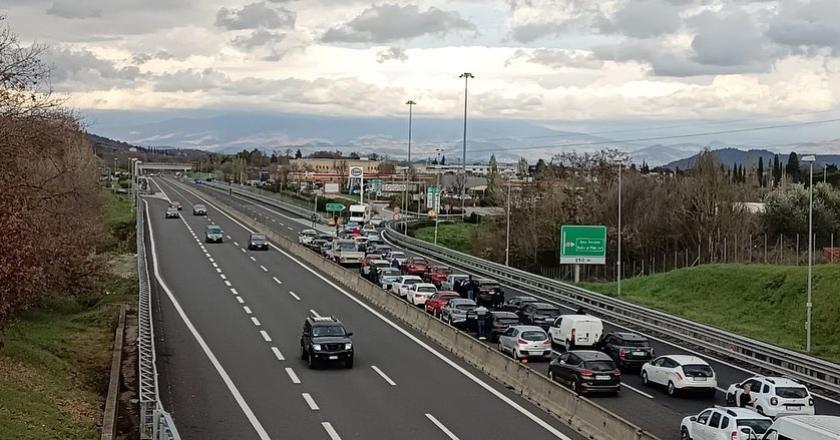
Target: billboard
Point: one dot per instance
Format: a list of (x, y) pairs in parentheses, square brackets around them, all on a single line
[(331, 188)]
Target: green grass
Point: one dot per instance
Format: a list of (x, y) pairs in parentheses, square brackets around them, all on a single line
[(457, 236), (759, 301), (119, 221)]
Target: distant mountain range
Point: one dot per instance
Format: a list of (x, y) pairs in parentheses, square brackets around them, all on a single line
[(749, 158)]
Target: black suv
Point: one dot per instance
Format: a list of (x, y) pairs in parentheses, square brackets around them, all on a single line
[(325, 339), (257, 241), (628, 350)]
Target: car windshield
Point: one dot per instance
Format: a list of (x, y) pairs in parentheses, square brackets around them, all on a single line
[(599, 365), (547, 309), (758, 425), (697, 370), (509, 321), (327, 330), (791, 392), (411, 281), (465, 306), (347, 245), (426, 289), (636, 344), (199, 206), (533, 336), (214, 229), (258, 237)]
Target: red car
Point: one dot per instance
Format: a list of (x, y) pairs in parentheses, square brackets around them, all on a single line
[(439, 300), (415, 266), (436, 275)]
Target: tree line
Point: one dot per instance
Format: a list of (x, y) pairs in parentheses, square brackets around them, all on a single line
[(50, 196)]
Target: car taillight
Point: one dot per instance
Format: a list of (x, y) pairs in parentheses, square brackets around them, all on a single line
[(679, 376), (586, 373), (573, 334), (734, 435), (622, 352), (522, 341)]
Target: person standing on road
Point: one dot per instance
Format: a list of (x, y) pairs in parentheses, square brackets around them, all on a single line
[(470, 288), (481, 314), (395, 263), (746, 397)]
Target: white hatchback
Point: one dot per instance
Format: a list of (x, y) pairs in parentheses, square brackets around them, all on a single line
[(774, 396), (721, 423), (420, 292), (678, 373)]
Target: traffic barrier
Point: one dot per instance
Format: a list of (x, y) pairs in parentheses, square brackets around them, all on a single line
[(109, 416), (584, 415)]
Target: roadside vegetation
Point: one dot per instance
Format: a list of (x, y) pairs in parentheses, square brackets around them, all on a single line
[(66, 259), (457, 236), (764, 302)]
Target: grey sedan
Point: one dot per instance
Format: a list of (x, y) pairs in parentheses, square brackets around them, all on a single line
[(456, 310)]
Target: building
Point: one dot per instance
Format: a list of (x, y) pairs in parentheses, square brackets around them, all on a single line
[(332, 170), (473, 169)]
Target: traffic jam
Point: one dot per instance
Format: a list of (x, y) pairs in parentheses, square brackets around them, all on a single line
[(574, 349)]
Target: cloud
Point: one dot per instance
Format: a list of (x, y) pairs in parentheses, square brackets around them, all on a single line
[(82, 70), (258, 38), (143, 58), (558, 58), (645, 18), (535, 19), (391, 53), (255, 15), (807, 26), (190, 80), (71, 9), (390, 22)]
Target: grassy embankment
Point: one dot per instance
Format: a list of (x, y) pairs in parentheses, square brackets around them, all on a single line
[(457, 236), (55, 360), (764, 302)]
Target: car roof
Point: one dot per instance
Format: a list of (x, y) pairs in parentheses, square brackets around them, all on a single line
[(425, 285), (543, 305), (779, 381), (686, 359), (590, 355), (630, 336), (737, 412), (448, 293), (461, 301), (214, 227), (502, 314), (528, 328), (412, 277), (316, 320)]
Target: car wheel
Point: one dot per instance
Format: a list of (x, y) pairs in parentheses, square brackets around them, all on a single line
[(672, 390), (684, 434), (645, 380), (348, 364)]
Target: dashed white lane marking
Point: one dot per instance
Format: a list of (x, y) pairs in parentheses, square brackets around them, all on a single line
[(310, 401), (263, 268), (229, 237), (234, 291), (243, 250), (290, 228), (253, 259), (384, 376), (294, 295), (241, 301), (247, 310), (227, 283), (314, 313), (265, 336), (279, 356), (273, 220), (330, 431), (292, 375), (211, 259), (282, 224), (236, 244), (442, 427), (207, 254), (218, 270), (255, 321), (215, 265), (276, 280), (223, 276)]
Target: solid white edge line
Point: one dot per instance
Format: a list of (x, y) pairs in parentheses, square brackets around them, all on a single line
[(384, 376), (314, 313), (442, 427), (624, 385), (243, 405), (330, 431), (522, 410), (310, 401), (277, 354), (292, 375), (265, 336), (294, 295)]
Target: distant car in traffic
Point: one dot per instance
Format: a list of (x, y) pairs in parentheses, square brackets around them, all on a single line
[(437, 275), (199, 209), (176, 205), (404, 283), (213, 234), (515, 303), (539, 313), (500, 321), (387, 278), (576, 331), (680, 373), (451, 279), (525, 341), (436, 303), (325, 339), (628, 350), (774, 396), (415, 266), (172, 212), (725, 423), (455, 311), (257, 241), (399, 255), (306, 236), (804, 427), (420, 292), (586, 372)]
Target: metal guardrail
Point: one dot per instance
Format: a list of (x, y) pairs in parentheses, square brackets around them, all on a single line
[(155, 422), (766, 357), (814, 371)]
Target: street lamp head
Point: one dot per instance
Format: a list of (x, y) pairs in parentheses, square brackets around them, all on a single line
[(466, 75), (808, 158), (410, 102)]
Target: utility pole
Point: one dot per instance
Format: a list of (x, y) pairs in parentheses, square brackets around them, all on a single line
[(411, 105), (809, 306), (466, 76), (507, 235), (618, 260), (436, 204)]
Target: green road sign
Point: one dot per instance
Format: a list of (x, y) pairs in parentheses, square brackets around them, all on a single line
[(335, 207), (376, 185), (583, 244)]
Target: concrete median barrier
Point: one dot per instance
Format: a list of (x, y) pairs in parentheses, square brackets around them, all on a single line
[(584, 415)]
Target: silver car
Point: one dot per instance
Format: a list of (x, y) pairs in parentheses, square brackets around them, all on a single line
[(456, 310), (525, 341)]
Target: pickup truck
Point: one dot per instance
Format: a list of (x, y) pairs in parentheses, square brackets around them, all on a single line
[(346, 252)]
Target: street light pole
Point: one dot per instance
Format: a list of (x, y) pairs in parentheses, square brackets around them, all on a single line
[(618, 260), (466, 76), (809, 306), (411, 105), (507, 235), (437, 203)]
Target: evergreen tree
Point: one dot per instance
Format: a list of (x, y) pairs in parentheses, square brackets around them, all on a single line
[(792, 167), (540, 168), (760, 172), (522, 168), (443, 160), (777, 170), (298, 154)]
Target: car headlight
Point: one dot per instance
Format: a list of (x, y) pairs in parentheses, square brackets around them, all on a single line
[(316, 347), (348, 346)]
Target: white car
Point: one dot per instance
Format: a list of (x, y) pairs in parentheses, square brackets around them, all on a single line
[(420, 292), (524, 341), (399, 255), (449, 282), (307, 235), (404, 283), (576, 331), (804, 427), (774, 396), (722, 423), (679, 373)]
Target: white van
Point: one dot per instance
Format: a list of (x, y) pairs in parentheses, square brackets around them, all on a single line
[(804, 428), (575, 331)]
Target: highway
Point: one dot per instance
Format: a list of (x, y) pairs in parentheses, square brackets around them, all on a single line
[(649, 408), (228, 322)]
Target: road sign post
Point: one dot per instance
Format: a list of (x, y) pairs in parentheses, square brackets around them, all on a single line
[(583, 245)]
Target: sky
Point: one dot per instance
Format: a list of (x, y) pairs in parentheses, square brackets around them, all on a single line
[(570, 63)]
